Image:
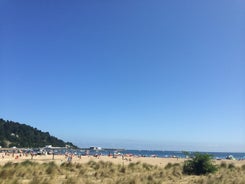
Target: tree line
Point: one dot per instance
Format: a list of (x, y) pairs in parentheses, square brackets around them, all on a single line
[(14, 134)]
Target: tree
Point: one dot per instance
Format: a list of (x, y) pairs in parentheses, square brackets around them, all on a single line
[(199, 164), (21, 135)]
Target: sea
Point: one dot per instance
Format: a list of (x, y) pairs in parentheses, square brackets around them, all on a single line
[(156, 153)]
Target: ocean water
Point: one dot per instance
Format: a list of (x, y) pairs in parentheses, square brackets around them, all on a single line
[(161, 154), (180, 154)]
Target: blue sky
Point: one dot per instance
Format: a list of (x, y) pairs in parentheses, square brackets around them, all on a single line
[(166, 75)]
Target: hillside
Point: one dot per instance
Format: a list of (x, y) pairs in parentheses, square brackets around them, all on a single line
[(22, 135)]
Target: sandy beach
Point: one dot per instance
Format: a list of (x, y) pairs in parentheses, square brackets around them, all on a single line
[(59, 159)]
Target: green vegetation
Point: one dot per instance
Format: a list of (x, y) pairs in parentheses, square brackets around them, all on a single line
[(21, 135), (199, 164), (93, 172)]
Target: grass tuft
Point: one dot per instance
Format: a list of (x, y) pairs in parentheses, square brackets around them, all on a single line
[(223, 165), (168, 166), (231, 166)]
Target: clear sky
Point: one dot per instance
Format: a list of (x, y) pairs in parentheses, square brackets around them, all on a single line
[(166, 75)]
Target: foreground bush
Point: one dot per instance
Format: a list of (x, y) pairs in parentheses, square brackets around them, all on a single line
[(200, 164)]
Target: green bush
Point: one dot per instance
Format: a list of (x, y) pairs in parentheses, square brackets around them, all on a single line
[(199, 164)]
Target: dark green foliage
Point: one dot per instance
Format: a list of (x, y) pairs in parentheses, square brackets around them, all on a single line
[(21, 135), (199, 164)]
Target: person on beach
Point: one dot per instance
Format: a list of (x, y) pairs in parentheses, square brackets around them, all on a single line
[(69, 159), (32, 155)]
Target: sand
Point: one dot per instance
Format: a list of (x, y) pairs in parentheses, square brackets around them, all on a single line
[(59, 159)]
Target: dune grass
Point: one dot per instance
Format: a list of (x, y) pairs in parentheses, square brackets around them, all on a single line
[(29, 172)]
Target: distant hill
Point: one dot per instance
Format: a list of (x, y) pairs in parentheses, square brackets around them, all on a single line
[(21, 135)]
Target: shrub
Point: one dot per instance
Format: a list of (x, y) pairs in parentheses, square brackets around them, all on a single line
[(147, 167), (231, 166), (223, 165), (123, 170), (8, 165), (168, 166), (199, 164), (27, 163), (51, 169)]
